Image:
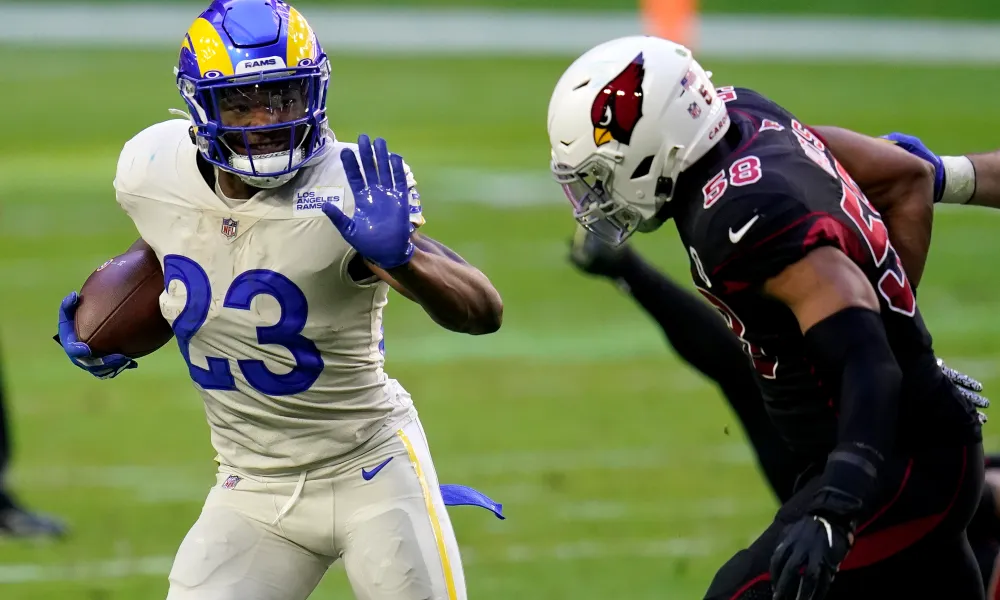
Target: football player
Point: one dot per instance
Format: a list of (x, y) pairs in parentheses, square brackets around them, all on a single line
[(700, 338), (15, 520), (279, 244), (782, 241)]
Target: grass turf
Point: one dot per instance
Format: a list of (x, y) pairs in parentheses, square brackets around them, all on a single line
[(623, 473)]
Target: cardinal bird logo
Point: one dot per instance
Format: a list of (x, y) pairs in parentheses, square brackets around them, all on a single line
[(618, 107)]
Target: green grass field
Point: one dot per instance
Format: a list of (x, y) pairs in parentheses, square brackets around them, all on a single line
[(623, 474)]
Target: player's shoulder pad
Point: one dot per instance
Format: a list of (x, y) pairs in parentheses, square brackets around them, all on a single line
[(743, 93), (137, 156), (748, 219), (755, 103)]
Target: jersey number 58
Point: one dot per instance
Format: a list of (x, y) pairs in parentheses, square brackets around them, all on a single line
[(893, 284)]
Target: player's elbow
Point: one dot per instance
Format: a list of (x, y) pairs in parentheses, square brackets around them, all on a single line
[(488, 315), (921, 180), (913, 189)]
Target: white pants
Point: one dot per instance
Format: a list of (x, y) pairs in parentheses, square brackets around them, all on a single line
[(274, 538)]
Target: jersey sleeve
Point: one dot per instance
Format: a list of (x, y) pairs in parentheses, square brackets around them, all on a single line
[(755, 236), (141, 157), (145, 161), (129, 175), (416, 209)]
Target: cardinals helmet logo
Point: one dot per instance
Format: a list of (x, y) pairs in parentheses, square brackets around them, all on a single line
[(618, 107)]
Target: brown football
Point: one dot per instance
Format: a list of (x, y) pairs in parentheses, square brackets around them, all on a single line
[(119, 308)]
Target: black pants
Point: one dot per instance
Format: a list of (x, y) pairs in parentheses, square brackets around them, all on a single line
[(911, 544)]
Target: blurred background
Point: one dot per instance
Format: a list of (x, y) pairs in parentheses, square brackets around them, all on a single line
[(622, 473)]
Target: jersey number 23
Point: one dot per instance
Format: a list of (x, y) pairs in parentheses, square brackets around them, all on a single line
[(287, 332)]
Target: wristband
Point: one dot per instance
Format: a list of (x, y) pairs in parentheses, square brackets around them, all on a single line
[(959, 179)]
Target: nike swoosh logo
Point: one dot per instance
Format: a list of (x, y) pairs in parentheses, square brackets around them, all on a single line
[(367, 475), (736, 236)]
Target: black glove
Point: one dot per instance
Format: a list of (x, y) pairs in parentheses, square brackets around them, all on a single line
[(808, 556)]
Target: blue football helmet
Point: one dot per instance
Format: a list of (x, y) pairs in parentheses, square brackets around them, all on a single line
[(255, 80)]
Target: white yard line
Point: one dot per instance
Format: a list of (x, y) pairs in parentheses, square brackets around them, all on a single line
[(506, 190), (118, 568), (491, 464), (173, 483), (587, 549), (493, 32)]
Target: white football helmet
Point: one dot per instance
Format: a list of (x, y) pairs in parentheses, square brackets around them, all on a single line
[(624, 120)]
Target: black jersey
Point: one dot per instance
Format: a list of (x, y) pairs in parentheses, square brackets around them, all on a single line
[(778, 195)]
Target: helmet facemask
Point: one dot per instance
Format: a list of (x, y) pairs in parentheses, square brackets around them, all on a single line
[(611, 205), (590, 189)]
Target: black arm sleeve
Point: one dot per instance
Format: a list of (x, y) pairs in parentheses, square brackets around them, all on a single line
[(696, 331), (851, 350)]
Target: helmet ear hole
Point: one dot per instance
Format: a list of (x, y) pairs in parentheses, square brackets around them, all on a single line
[(642, 169), (664, 187)]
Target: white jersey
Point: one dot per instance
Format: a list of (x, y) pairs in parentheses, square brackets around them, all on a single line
[(284, 347)]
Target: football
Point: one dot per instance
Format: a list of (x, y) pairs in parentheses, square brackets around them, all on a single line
[(119, 308)]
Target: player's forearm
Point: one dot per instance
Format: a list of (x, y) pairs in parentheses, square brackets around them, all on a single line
[(844, 337), (432, 246), (455, 294), (899, 185), (853, 344)]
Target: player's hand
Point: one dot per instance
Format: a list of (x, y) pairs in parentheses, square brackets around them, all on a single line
[(967, 386), (914, 146), (807, 558), (590, 255), (102, 367), (380, 228)]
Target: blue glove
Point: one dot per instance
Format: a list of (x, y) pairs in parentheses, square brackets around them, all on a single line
[(808, 557), (914, 146), (380, 228), (102, 367)]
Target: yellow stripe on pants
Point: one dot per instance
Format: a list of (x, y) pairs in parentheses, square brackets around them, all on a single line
[(449, 579)]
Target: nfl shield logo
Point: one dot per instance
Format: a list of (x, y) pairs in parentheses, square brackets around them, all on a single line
[(231, 482), (229, 227), (694, 110)]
